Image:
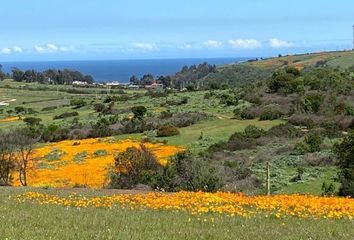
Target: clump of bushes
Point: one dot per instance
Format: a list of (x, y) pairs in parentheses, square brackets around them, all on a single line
[(135, 166), (77, 103), (184, 172), (269, 114), (167, 130), (50, 108), (32, 121), (66, 115), (312, 143), (189, 173)]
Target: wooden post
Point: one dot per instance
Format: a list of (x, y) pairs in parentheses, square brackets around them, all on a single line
[(268, 178)]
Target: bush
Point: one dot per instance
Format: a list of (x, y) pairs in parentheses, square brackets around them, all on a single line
[(188, 173), (345, 155), (270, 115), (327, 189), (284, 130), (312, 143), (66, 115), (139, 112), (252, 131), (77, 103), (99, 107), (51, 108), (313, 103), (20, 109), (135, 166), (167, 130), (32, 121)]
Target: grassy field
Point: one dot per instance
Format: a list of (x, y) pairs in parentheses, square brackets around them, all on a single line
[(28, 221)]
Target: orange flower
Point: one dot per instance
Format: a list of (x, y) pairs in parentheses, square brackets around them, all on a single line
[(85, 162), (231, 204)]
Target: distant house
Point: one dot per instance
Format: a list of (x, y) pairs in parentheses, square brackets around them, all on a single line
[(114, 83), (133, 86), (155, 86), (79, 83)]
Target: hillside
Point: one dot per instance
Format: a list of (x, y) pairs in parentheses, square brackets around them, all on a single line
[(253, 70)]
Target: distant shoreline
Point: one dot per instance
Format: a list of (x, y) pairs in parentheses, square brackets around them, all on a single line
[(120, 70)]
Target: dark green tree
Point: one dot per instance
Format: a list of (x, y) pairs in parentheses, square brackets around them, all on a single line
[(345, 155)]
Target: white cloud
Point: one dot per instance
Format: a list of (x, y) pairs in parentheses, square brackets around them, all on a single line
[(245, 43), (17, 49), (277, 43), (186, 46), (212, 44), (145, 46), (67, 48), (47, 48), (6, 51), (52, 48)]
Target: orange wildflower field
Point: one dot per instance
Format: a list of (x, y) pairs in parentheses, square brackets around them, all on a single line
[(197, 203), (84, 162), (9, 119)]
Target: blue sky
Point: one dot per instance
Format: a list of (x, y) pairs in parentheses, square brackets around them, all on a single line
[(121, 29)]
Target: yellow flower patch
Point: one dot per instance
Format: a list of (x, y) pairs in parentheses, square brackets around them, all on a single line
[(10, 119), (84, 162), (231, 204)]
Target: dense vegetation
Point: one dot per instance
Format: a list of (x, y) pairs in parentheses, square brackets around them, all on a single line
[(314, 103), (53, 76), (189, 77)]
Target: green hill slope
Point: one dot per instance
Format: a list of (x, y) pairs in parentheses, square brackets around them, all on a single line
[(239, 74)]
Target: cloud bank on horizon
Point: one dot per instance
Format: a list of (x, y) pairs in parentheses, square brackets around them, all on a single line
[(117, 29)]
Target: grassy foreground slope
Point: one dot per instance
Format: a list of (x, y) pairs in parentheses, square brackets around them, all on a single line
[(29, 221)]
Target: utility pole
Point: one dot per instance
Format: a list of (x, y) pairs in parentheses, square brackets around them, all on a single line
[(268, 178)]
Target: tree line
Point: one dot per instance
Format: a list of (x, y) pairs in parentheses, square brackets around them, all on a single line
[(53, 76), (187, 77)]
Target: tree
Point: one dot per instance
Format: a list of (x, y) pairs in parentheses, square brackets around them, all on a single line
[(24, 147), (133, 166), (147, 79), (345, 155), (134, 80), (7, 158), (139, 112)]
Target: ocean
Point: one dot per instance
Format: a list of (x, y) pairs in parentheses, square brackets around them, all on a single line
[(119, 70)]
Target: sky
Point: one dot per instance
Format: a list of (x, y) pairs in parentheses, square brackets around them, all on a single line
[(45, 30)]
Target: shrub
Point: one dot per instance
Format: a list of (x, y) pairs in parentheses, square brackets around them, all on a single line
[(77, 103), (99, 107), (19, 109), (269, 114), (345, 155), (188, 173), (252, 131), (134, 166), (139, 112), (51, 108), (284, 130), (312, 143), (167, 130), (313, 103), (32, 121), (327, 189), (66, 115)]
